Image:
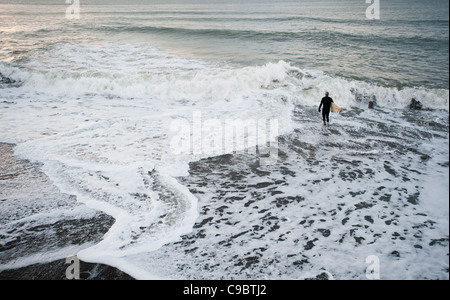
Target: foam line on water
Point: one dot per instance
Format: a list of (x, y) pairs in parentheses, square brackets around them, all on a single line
[(45, 257)]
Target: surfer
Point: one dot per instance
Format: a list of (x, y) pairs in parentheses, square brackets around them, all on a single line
[(326, 102)]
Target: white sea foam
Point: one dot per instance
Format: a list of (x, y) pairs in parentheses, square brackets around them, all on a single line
[(101, 128)]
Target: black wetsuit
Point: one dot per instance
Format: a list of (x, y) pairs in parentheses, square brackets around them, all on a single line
[(326, 102)]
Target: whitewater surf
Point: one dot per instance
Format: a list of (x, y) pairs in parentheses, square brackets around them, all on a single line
[(160, 140)]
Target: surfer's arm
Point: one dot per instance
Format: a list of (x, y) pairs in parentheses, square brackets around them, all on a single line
[(320, 106)]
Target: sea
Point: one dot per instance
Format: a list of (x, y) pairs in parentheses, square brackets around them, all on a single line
[(124, 106)]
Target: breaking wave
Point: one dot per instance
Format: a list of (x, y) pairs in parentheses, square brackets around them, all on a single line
[(140, 71)]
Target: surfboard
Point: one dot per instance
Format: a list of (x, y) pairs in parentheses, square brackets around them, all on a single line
[(334, 108)]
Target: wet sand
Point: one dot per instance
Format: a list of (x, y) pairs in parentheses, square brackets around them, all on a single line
[(306, 217)]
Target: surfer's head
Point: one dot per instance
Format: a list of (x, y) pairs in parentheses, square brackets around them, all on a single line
[(327, 94)]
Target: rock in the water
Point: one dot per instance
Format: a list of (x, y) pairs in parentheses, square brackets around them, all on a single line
[(6, 80), (415, 104)]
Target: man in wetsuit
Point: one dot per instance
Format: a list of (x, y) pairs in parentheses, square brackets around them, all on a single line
[(326, 102)]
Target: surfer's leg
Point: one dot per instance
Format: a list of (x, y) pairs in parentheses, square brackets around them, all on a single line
[(324, 116)]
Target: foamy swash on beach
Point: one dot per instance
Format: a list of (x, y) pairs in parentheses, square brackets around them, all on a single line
[(102, 112), (101, 131)]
